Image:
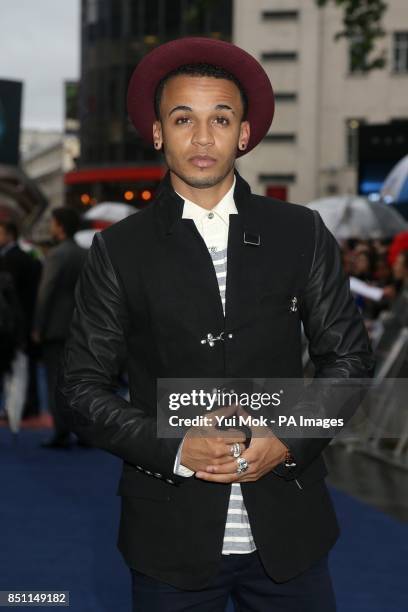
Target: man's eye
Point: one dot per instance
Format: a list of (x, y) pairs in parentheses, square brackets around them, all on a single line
[(222, 120), (181, 120)]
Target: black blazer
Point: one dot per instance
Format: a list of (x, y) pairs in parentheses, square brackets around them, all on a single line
[(147, 296)]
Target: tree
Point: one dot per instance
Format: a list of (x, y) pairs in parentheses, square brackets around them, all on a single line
[(362, 21)]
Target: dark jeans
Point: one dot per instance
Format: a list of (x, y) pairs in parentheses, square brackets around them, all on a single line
[(243, 578)]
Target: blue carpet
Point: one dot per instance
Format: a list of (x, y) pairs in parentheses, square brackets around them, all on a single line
[(59, 517)]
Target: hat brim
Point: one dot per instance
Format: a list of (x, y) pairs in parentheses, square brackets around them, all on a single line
[(169, 56)]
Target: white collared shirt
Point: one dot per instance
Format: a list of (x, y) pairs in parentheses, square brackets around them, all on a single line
[(213, 224)]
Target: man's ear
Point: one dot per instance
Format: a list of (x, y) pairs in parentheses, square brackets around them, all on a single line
[(157, 135), (244, 134)]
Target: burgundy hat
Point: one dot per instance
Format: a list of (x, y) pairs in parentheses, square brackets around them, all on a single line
[(166, 58)]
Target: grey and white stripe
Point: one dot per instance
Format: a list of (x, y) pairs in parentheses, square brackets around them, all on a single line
[(237, 536)]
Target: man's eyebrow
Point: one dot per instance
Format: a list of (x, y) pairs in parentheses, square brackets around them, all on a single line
[(180, 107), (224, 107)]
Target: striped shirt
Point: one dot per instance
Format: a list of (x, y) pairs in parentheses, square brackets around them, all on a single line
[(213, 226)]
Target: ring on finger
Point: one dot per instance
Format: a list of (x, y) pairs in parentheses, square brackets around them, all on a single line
[(242, 464), (236, 449)]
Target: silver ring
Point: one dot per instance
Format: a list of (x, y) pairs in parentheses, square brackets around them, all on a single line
[(236, 449), (243, 465)]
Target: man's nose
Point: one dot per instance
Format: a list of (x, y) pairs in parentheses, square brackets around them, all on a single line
[(203, 135)]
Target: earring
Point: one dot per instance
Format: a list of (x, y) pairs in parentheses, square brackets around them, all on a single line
[(157, 145), (242, 147)]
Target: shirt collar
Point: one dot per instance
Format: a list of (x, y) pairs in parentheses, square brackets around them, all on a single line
[(224, 208)]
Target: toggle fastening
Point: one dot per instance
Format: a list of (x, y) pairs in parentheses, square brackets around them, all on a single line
[(210, 339)]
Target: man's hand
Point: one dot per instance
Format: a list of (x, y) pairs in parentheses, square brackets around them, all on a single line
[(205, 446), (263, 454)]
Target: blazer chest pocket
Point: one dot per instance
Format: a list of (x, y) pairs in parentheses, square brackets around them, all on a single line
[(143, 486)]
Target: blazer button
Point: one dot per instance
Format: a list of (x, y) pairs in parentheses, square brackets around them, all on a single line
[(138, 467), (158, 475), (230, 336), (148, 473)]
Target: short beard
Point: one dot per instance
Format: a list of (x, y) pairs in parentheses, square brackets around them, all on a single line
[(202, 183)]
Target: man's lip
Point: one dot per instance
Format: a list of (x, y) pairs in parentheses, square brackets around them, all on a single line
[(202, 161)]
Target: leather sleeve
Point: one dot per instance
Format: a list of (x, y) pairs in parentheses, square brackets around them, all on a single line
[(338, 342), (94, 356)]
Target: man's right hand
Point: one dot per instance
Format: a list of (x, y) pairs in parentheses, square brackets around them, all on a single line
[(204, 446)]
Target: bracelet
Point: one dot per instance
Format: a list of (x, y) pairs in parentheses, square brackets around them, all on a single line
[(289, 460)]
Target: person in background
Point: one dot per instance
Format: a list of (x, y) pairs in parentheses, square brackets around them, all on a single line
[(55, 305), (10, 324), (25, 272)]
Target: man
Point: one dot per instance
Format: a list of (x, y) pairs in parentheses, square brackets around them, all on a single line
[(211, 282), (25, 272), (55, 305)]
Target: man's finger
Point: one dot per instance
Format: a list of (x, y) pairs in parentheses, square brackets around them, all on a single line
[(229, 467), (224, 478), (228, 478)]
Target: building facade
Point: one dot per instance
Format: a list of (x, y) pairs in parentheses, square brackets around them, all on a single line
[(46, 158), (311, 149)]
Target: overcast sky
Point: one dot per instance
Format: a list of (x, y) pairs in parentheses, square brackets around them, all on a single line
[(39, 44)]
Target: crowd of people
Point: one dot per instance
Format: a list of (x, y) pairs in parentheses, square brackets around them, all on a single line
[(36, 306), (37, 301), (379, 263)]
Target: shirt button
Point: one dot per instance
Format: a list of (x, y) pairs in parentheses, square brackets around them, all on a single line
[(210, 215), (230, 336)]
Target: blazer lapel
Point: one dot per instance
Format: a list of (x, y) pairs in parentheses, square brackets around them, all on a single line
[(188, 260), (192, 262), (244, 253)]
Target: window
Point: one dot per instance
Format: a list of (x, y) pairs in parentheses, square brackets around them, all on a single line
[(279, 192), (355, 48), (400, 52), (151, 17), (285, 96), (278, 178), (221, 19), (279, 15), (173, 19), (116, 21), (352, 126), (280, 137), (279, 55)]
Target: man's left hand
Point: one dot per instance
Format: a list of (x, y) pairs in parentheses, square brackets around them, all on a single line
[(263, 454)]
